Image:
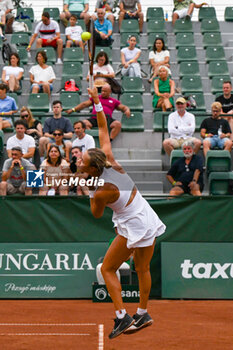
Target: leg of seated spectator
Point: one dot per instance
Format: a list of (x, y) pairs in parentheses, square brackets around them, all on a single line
[(6, 124), (137, 70), (228, 145), (115, 129), (39, 43), (175, 17), (125, 71), (12, 82), (176, 191), (206, 147), (166, 104), (43, 142), (88, 124), (35, 89), (191, 8), (25, 190), (140, 21), (160, 103), (120, 19), (111, 19), (46, 89), (3, 188), (86, 17), (81, 44), (196, 190), (69, 43), (167, 145), (197, 145), (59, 47), (63, 190), (43, 191)]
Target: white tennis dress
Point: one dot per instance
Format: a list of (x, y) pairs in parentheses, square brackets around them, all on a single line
[(137, 222)]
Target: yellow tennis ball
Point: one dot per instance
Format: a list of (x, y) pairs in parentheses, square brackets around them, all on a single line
[(86, 36)]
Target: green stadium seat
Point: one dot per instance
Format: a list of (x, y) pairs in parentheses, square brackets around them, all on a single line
[(217, 81), (125, 37), (77, 82), (132, 84), (199, 98), (1, 142), (206, 13), (29, 25), (23, 55), (80, 22), (129, 26), (218, 161), (15, 96), (134, 123), (228, 14), (154, 13), (175, 155), (133, 101), (184, 39), (73, 54), (50, 53), (38, 102), (94, 132), (157, 123), (186, 54), (209, 25), (53, 12), (189, 68), (156, 26), (72, 68), (192, 84), (107, 50), (218, 68), (212, 39), (183, 26), (69, 100), (20, 39), (153, 36), (25, 11), (219, 183), (215, 54)]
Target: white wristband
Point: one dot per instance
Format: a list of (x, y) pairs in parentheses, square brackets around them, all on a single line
[(91, 194), (98, 107)]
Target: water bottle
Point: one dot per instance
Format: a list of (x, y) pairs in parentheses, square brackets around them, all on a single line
[(220, 131), (72, 85), (166, 16)]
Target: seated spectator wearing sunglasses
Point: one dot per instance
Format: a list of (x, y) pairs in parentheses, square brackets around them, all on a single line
[(186, 174), (58, 135)]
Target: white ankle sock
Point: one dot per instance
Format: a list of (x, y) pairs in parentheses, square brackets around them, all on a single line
[(141, 311), (120, 313)]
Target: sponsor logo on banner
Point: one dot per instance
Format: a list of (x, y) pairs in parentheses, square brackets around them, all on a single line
[(35, 178), (129, 293), (206, 270)]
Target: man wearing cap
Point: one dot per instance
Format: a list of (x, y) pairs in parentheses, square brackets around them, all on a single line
[(181, 127), (14, 174)]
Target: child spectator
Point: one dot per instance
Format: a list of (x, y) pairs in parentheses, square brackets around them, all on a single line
[(73, 33)]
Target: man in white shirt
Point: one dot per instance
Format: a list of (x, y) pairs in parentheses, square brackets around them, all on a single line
[(49, 33), (22, 140), (83, 140), (6, 6), (181, 127)]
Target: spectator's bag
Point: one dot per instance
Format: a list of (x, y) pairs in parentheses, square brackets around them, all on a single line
[(70, 86), (115, 86), (19, 27), (7, 50), (190, 102)]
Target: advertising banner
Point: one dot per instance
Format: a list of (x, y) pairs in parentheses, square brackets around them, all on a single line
[(49, 270), (129, 293), (197, 270)]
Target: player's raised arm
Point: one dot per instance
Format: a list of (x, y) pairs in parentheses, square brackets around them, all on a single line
[(104, 138)]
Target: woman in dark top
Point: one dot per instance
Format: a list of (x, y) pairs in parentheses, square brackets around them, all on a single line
[(34, 126), (186, 174)]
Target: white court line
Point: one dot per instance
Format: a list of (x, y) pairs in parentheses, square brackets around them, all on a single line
[(101, 337), (33, 334), (47, 324)]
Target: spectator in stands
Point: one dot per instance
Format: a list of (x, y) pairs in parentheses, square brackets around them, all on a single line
[(109, 105), (73, 33), (129, 59), (102, 70), (181, 127), (7, 108), (184, 9), (226, 101), (164, 88), (76, 153), (49, 33), (14, 174), (78, 7), (34, 129), (186, 174), (108, 6), (83, 140), (41, 75), (159, 56), (58, 135), (13, 73), (22, 140), (103, 29), (131, 9), (57, 121), (56, 171), (6, 15), (215, 130)]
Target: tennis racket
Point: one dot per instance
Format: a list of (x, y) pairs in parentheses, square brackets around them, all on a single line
[(91, 51)]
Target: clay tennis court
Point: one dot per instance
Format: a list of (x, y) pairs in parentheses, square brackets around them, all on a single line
[(83, 325)]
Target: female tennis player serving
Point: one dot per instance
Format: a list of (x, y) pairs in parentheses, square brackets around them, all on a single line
[(136, 224)]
